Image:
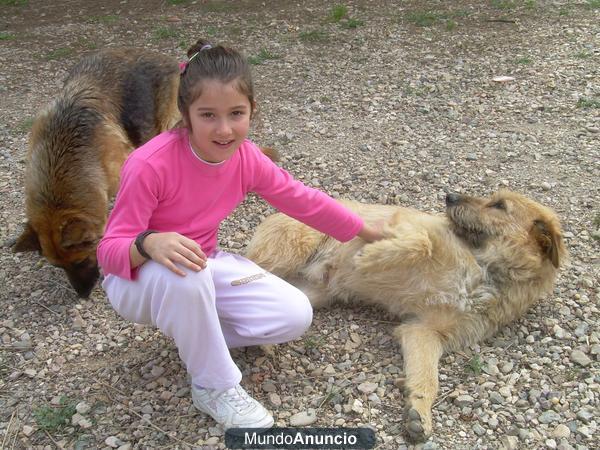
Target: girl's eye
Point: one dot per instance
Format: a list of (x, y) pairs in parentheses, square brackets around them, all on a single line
[(238, 113), (207, 115)]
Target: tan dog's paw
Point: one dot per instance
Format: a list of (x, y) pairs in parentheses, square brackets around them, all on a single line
[(268, 350), (418, 426)]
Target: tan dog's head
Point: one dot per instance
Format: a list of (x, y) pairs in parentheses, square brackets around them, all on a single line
[(68, 240), (509, 221)]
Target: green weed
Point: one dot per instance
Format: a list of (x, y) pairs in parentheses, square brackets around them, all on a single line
[(351, 23), (13, 2), (6, 36), (25, 125), (525, 60), (423, 18), (262, 56), (313, 342), (450, 25), (583, 54), (165, 33), (314, 36), (475, 365), (53, 419), (58, 53), (329, 397), (107, 19), (220, 7), (177, 2), (593, 4), (588, 103), (504, 4), (337, 13)]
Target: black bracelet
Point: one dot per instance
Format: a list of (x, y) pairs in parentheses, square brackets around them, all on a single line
[(139, 242)]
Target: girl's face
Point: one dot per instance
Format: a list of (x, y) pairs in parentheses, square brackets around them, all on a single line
[(219, 121)]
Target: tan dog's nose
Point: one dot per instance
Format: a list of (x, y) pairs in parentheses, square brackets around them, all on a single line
[(452, 198)]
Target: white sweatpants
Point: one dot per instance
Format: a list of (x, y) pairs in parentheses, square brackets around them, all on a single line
[(231, 303)]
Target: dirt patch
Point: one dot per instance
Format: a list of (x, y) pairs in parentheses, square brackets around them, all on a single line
[(389, 102)]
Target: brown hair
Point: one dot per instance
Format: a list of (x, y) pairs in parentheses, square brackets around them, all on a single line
[(212, 63)]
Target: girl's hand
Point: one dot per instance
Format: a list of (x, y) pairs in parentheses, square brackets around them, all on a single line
[(170, 248), (372, 233)]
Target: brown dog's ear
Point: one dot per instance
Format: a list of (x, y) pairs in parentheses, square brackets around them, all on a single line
[(28, 241), (78, 232), (549, 239)]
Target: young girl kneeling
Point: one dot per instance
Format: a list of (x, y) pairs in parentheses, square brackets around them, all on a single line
[(159, 253)]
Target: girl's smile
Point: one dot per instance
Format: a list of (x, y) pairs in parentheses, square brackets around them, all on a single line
[(219, 121)]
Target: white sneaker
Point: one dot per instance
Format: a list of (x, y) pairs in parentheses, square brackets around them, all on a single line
[(232, 408)]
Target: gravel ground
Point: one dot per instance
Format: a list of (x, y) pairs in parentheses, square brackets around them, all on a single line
[(372, 107)]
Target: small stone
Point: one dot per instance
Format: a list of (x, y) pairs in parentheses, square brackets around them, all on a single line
[(561, 431), (147, 409), (550, 443), (493, 423), (215, 431), (549, 417), (76, 418), (303, 418), (269, 386), (329, 370), (509, 442), (478, 430), (83, 408), (367, 387), (212, 441), (546, 186), (578, 357), (274, 399), (28, 430), (357, 406), (113, 441), (463, 400), (496, 398), (585, 415), (157, 371), (85, 423)]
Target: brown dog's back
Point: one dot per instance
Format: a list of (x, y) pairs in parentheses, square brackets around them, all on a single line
[(112, 101)]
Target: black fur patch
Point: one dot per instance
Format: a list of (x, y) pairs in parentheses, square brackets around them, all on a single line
[(139, 87)]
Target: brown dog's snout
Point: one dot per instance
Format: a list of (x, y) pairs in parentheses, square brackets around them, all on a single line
[(453, 199), (83, 277)]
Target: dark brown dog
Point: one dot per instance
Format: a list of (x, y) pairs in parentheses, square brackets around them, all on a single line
[(458, 278), (112, 102)]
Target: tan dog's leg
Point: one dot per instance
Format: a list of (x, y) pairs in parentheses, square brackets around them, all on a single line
[(421, 350)]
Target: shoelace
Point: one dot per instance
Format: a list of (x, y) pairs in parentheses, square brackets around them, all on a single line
[(239, 398)]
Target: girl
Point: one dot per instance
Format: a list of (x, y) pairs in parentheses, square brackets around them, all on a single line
[(159, 252)]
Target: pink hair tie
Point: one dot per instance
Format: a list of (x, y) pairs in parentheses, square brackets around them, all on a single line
[(182, 66)]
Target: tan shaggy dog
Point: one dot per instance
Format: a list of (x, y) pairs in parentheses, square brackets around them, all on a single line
[(112, 102), (456, 279)]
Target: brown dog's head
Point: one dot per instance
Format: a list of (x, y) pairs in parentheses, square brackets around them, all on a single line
[(510, 223), (69, 241)]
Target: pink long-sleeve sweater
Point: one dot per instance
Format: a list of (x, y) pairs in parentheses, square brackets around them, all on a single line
[(166, 187)]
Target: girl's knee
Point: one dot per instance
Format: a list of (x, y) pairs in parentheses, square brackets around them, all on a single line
[(300, 315)]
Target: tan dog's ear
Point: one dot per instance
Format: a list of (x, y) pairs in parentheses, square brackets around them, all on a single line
[(78, 233), (270, 153), (28, 241), (549, 240)]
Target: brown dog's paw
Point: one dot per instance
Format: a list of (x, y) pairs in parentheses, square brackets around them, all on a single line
[(417, 427)]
